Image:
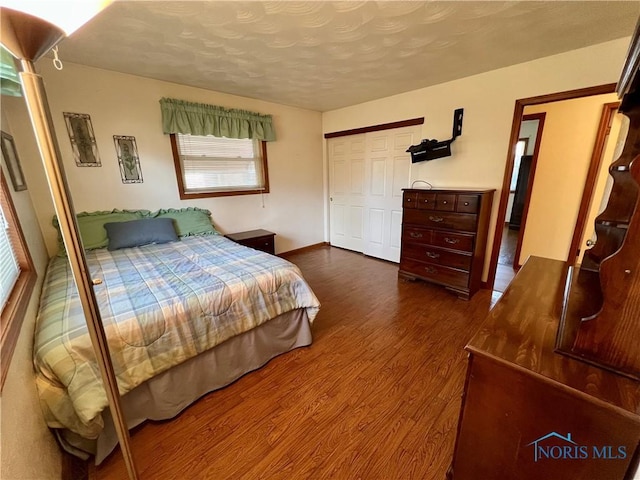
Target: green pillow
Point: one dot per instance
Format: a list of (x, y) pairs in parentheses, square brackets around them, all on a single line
[(189, 221), (91, 226)]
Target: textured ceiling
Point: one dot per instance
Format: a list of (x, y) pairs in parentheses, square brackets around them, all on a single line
[(325, 55)]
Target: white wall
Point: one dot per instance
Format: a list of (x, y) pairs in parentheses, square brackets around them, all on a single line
[(28, 449), (122, 104), (529, 129), (568, 137), (479, 155)]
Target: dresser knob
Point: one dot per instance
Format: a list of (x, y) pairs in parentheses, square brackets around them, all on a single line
[(466, 204), (436, 219), (444, 202)]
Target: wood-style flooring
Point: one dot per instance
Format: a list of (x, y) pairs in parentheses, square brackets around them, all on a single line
[(376, 396)]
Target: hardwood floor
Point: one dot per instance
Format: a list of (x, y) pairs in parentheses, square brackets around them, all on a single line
[(376, 396)]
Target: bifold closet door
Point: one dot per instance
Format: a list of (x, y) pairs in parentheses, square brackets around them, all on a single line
[(347, 191), (367, 173)]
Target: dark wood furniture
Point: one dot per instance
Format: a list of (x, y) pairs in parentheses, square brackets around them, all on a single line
[(553, 380), (520, 195), (519, 389), (444, 237), (601, 320), (263, 240)]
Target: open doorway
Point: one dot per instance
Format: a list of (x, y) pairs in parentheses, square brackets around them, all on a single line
[(544, 188), (524, 161)]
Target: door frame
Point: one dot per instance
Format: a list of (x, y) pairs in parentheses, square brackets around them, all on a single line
[(508, 171), (608, 112), (532, 173)]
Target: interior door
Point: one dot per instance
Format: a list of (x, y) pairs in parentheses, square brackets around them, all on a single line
[(347, 191), (520, 195), (388, 170)]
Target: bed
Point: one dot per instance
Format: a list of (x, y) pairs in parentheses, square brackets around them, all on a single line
[(182, 319)]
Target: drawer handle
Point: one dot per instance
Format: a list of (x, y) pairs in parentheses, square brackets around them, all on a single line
[(451, 241), (430, 270), (444, 202), (426, 201), (408, 199), (466, 204), (436, 219), (432, 255), (415, 235)]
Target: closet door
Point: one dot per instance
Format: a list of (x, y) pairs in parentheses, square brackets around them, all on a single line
[(367, 173), (347, 191), (387, 173)]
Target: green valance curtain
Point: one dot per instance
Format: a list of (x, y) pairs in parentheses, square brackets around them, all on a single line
[(179, 116), (9, 79)]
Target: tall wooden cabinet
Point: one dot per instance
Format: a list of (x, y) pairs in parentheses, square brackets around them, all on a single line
[(553, 380), (444, 237)]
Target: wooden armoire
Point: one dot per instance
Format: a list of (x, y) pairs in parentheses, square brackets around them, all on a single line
[(553, 379)]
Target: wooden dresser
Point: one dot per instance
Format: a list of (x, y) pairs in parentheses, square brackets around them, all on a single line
[(444, 237), (531, 413)]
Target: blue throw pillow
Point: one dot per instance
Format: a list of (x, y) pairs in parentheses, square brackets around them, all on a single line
[(136, 233)]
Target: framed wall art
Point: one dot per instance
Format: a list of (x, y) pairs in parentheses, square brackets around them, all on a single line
[(83, 141), (128, 159), (12, 161)]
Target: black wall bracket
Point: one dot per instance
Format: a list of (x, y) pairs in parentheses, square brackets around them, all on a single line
[(432, 149)]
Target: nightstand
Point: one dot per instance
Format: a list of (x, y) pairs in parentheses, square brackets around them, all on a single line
[(259, 239)]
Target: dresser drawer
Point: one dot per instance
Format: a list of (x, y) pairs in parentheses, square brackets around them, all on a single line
[(426, 201), (436, 273), (446, 202), (265, 244), (410, 199), (444, 220), (416, 235), (428, 253), (467, 203), (455, 241)]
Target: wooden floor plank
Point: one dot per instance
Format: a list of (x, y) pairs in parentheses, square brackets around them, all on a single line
[(376, 396)]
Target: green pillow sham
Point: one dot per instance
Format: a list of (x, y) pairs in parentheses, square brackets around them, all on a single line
[(189, 221), (91, 226)]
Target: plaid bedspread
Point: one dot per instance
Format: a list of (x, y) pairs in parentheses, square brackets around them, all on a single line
[(160, 305)]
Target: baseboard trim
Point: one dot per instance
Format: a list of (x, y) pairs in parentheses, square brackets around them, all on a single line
[(304, 249)]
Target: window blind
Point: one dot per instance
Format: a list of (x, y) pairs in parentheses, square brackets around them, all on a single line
[(9, 267), (212, 164)]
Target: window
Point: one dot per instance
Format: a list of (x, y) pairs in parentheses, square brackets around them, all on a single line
[(9, 266), (17, 278), (208, 166), (521, 149)]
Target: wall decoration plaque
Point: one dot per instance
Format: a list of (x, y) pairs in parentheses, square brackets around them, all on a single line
[(128, 159), (83, 141)]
